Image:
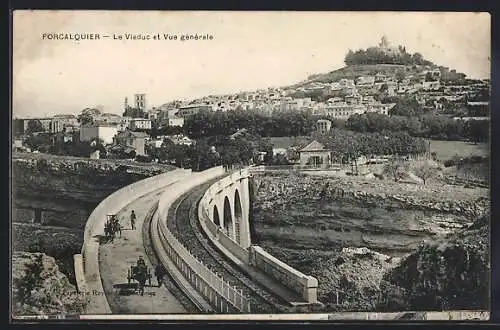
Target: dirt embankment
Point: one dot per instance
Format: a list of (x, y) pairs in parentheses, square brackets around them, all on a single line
[(39, 288), (350, 233)]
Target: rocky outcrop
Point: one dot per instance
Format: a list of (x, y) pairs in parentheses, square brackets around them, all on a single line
[(57, 242), (74, 181), (352, 279), (271, 190), (39, 288), (67, 189), (353, 235)]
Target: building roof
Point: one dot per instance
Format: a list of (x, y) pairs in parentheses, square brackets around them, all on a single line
[(64, 116), (108, 114), (133, 134), (238, 133), (119, 147), (478, 103), (313, 146), (100, 124)]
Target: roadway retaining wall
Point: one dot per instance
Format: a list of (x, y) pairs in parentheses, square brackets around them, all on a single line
[(81, 284), (221, 240), (94, 229), (219, 293), (306, 286)]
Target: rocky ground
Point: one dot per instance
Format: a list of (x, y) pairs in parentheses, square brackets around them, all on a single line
[(39, 288), (312, 221)]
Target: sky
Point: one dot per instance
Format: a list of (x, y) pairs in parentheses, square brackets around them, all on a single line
[(249, 50)]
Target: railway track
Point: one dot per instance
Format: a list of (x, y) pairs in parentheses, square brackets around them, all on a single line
[(182, 221)]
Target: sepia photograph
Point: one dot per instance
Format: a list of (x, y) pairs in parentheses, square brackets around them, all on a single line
[(225, 165)]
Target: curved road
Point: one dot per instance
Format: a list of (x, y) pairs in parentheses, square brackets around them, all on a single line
[(116, 257)]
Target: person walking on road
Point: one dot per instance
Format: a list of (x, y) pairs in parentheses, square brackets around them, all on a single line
[(132, 219), (159, 273)]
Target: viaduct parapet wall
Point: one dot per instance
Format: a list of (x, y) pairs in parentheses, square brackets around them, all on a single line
[(87, 264)]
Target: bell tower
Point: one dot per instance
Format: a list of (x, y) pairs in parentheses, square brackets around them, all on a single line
[(384, 43)]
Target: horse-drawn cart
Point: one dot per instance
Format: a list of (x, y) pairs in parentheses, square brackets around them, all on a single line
[(140, 273), (111, 227)]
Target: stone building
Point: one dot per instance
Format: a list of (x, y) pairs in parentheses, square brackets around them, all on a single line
[(130, 140), (315, 154), (323, 126)]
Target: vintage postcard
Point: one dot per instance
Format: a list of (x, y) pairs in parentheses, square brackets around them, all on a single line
[(250, 165)]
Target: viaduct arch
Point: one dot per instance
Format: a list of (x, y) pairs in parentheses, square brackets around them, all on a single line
[(228, 207)]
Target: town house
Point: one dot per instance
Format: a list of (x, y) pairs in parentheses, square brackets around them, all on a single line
[(132, 141), (315, 154)]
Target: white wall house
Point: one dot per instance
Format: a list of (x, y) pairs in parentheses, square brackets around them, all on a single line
[(176, 122), (103, 132), (139, 123)]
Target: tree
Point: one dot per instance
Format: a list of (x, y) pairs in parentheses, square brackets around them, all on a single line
[(265, 145), (292, 154), (478, 130), (384, 88), (424, 171), (400, 75), (396, 168), (87, 116), (407, 106), (34, 126), (41, 142), (417, 58)]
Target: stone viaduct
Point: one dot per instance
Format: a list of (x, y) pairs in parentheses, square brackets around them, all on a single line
[(223, 214), (229, 230)]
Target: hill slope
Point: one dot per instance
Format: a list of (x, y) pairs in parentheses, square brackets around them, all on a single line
[(354, 71)]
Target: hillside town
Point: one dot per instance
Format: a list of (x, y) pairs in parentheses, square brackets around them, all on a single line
[(357, 89)]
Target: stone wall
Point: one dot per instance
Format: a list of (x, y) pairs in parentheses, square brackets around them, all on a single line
[(306, 286)]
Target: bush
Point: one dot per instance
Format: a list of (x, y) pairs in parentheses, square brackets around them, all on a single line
[(143, 159), (30, 281), (457, 161)]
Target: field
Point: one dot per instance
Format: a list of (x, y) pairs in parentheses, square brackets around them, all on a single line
[(287, 141), (447, 149)]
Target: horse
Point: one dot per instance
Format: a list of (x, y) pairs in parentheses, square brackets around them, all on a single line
[(141, 276), (108, 231), (117, 228)]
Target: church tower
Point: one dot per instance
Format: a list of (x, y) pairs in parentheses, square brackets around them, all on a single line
[(125, 105), (384, 43)]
